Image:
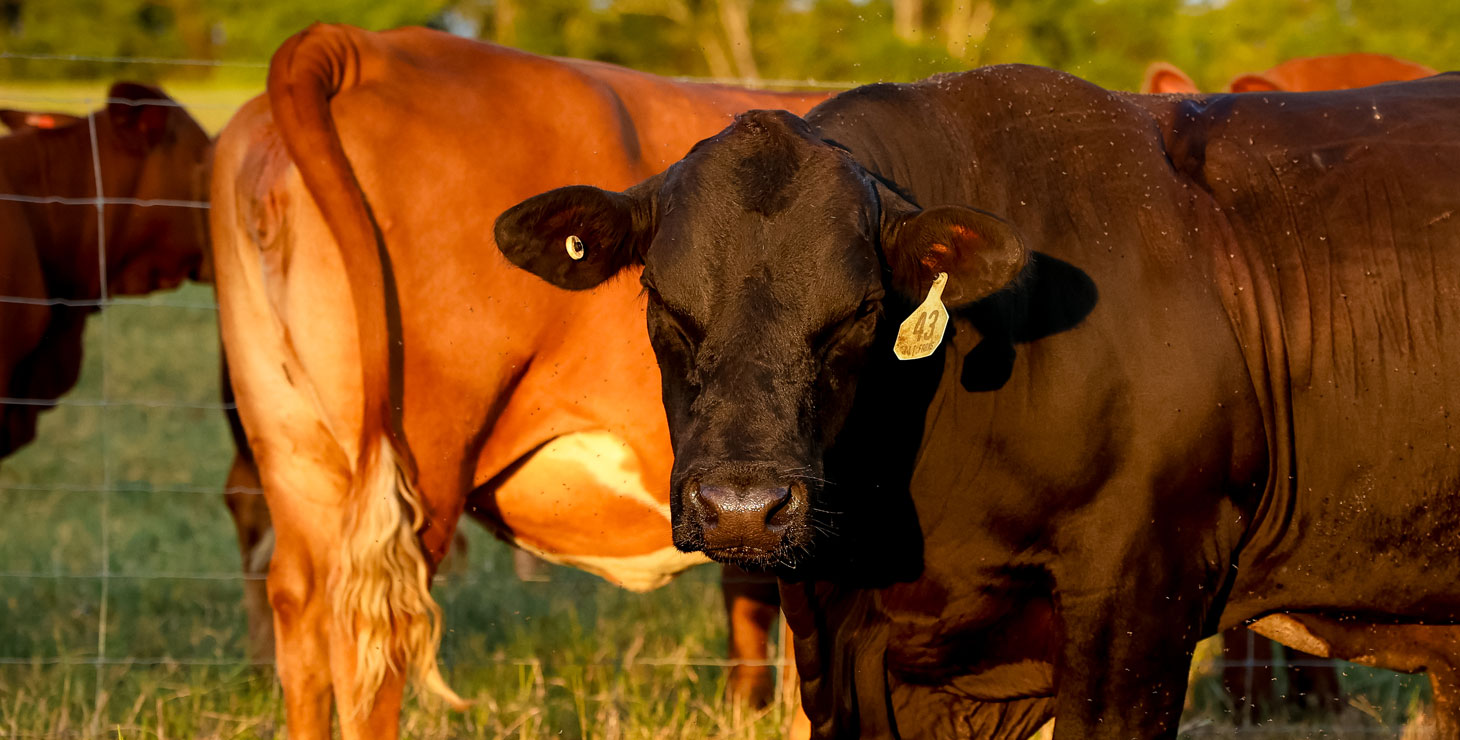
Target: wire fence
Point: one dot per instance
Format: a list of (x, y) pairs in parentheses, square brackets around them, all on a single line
[(106, 484)]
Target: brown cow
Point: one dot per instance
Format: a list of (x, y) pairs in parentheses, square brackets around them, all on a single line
[(363, 305), (1308, 74), (148, 148), (1248, 673)]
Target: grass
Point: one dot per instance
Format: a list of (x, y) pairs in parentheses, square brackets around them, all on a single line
[(554, 659), (113, 527)]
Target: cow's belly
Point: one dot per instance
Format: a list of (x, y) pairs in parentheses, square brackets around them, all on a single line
[(1369, 535), (581, 500)]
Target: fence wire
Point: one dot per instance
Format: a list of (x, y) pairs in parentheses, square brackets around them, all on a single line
[(108, 486)]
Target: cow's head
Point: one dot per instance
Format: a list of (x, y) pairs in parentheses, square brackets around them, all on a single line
[(771, 262), (152, 150)]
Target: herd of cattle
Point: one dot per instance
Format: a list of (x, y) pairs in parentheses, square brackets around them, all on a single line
[(1194, 374)]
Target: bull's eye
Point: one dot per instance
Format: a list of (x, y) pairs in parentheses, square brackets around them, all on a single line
[(663, 318), (834, 332)]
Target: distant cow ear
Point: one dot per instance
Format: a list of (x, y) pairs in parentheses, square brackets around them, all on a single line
[(139, 125), (24, 120), (980, 252), (1163, 77), (577, 237), (1253, 83)]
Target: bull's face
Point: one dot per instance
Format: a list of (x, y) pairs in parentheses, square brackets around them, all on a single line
[(768, 257), (156, 152)]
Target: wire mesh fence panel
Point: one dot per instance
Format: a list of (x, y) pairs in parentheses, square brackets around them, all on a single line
[(123, 591)]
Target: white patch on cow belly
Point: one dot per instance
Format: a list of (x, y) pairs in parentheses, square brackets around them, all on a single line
[(609, 460), (1291, 632), (635, 572)]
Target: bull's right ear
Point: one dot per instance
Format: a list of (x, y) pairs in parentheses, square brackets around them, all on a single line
[(579, 236)]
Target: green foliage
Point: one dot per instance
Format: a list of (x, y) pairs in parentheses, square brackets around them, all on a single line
[(1107, 41), (227, 30)]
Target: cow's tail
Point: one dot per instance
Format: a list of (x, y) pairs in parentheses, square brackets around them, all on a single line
[(380, 588)]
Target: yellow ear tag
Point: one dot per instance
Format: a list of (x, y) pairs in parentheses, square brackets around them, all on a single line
[(575, 248), (922, 332)]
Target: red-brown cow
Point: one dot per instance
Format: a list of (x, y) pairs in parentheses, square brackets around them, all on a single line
[(147, 148), (363, 306)]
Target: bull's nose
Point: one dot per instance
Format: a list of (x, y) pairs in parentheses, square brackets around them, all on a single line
[(744, 516)]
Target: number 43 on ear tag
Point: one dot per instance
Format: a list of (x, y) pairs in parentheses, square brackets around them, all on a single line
[(922, 332)]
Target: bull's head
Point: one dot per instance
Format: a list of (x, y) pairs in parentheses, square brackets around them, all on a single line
[(769, 257)]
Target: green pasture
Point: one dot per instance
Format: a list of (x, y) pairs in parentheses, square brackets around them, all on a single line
[(120, 609)]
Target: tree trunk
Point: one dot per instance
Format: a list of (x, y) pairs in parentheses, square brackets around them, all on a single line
[(907, 19), (193, 28), (966, 26), (504, 22), (715, 56), (735, 17)]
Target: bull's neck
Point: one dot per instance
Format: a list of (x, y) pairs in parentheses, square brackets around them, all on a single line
[(59, 164)]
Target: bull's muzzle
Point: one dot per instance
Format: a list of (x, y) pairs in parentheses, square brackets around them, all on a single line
[(745, 518)]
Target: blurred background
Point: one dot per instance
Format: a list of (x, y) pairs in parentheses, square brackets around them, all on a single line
[(1109, 42), (120, 587)]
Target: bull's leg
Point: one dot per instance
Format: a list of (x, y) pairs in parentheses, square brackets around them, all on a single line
[(243, 496), (752, 601), (799, 725), (1128, 638)]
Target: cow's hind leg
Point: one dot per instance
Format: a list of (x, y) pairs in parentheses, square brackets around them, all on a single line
[(243, 494), (305, 501)]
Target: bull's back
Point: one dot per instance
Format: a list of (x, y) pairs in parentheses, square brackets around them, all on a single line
[(1344, 209)]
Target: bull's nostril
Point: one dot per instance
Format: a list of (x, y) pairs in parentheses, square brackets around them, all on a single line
[(779, 514), (777, 511), (707, 498)]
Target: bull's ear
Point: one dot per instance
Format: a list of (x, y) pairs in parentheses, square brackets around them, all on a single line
[(139, 114), (980, 252), (24, 120), (579, 236)]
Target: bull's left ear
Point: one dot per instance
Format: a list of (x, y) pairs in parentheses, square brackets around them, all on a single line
[(577, 237), (980, 252)]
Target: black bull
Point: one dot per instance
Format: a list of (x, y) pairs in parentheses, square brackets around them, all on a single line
[(1200, 370)]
